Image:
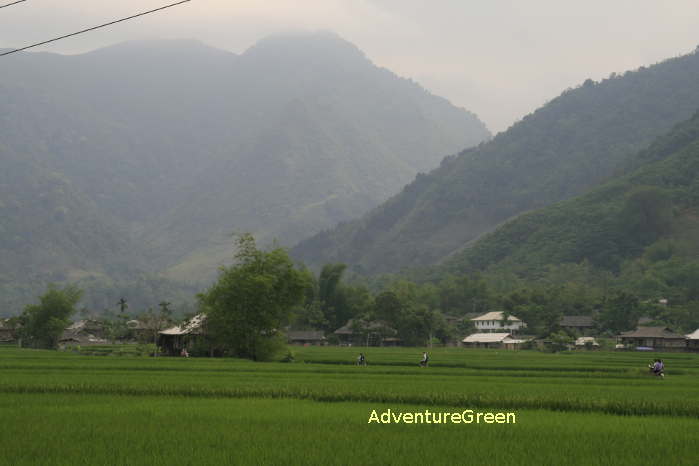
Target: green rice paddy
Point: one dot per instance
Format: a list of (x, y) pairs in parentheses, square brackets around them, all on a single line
[(582, 408)]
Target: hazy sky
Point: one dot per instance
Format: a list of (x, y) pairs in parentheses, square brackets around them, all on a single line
[(498, 58)]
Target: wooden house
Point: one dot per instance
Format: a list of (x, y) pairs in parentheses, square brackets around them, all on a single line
[(362, 333), (655, 338), (306, 337), (580, 324)]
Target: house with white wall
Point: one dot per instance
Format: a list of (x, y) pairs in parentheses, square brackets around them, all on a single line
[(494, 322)]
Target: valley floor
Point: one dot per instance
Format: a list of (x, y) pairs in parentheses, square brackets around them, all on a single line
[(586, 408)]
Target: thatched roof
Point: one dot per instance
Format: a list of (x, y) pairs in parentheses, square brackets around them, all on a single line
[(374, 325), (651, 332), (192, 326), (582, 341), (6, 324), (85, 325), (305, 335), (693, 336)]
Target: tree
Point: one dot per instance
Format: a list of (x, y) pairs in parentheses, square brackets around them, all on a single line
[(43, 323), (387, 307), (331, 295), (620, 312), (560, 341), (157, 321), (251, 299)]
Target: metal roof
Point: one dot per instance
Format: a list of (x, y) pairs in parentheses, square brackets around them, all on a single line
[(488, 338), (495, 315)]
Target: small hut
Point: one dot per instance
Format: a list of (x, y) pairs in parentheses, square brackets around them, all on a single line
[(586, 343), (83, 333), (8, 331), (173, 340)]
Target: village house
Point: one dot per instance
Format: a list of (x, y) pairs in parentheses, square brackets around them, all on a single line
[(174, 339), (579, 324), (586, 343), (306, 337), (492, 340), (656, 338), (367, 334), (494, 322), (84, 333), (693, 341), (8, 331)]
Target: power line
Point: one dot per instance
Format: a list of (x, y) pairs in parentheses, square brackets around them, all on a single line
[(13, 3), (95, 27)]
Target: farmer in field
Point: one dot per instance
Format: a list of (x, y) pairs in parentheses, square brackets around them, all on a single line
[(425, 360), (657, 367), (361, 360)]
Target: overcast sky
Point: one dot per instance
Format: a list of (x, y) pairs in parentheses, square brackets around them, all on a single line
[(499, 58)]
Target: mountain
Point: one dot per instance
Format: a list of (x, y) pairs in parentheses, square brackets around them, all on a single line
[(650, 215), (568, 146), (167, 147)]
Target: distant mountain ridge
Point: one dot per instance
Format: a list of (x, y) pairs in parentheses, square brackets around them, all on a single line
[(561, 150), (174, 145)]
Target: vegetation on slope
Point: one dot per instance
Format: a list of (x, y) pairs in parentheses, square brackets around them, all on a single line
[(650, 213), (566, 147), (142, 158)]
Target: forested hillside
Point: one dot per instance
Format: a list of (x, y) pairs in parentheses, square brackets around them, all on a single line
[(642, 226), (566, 147), (142, 158)]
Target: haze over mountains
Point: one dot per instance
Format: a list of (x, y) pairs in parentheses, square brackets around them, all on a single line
[(570, 145), (143, 157)]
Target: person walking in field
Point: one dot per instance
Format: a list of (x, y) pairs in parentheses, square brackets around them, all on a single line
[(425, 360), (361, 360)]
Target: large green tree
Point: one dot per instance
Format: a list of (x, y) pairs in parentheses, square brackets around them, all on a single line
[(43, 323), (251, 299)]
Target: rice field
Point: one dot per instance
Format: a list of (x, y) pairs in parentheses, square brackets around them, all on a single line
[(582, 408)]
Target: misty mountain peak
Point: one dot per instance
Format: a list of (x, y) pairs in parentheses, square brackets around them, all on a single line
[(306, 47)]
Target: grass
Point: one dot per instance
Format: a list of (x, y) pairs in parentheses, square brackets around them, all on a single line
[(584, 408)]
